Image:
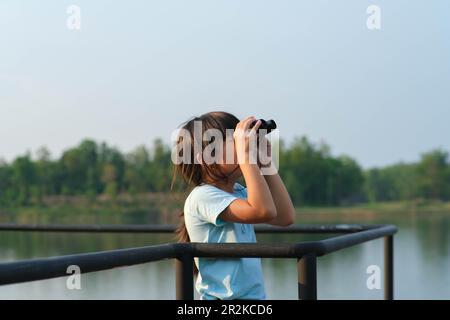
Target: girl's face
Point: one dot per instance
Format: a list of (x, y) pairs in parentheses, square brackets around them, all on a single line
[(230, 166)]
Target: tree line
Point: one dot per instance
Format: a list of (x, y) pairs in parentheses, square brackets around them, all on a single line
[(311, 173)]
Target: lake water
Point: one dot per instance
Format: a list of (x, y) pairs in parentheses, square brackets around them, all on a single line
[(421, 256)]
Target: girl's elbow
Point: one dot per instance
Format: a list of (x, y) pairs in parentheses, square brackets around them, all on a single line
[(288, 222), (269, 214)]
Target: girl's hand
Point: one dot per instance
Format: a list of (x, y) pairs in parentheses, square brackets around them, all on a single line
[(245, 141)]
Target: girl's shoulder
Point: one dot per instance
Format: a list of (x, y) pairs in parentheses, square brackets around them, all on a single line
[(205, 188), (207, 193), (197, 195)]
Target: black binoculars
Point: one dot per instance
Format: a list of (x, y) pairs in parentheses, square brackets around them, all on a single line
[(268, 125)]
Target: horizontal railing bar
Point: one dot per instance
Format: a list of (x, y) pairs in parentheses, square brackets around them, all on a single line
[(341, 242), (46, 268), (168, 228), (253, 250)]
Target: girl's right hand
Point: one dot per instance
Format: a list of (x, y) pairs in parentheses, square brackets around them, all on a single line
[(243, 136)]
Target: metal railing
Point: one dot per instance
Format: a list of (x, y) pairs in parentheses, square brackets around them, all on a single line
[(306, 253)]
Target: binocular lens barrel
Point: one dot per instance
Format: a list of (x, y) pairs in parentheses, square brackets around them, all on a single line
[(269, 125)]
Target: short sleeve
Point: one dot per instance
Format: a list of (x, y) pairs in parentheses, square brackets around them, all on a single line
[(242, 190), (207, 202)]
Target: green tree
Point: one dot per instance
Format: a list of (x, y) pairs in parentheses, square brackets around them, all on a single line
[(109, 178), (433, 175), (23, 178), (136, 179)]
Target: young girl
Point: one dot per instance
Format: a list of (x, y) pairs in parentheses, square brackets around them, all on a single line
[(218, 209)]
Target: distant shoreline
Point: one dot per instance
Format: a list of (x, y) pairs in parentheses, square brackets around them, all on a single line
[(170, 204)]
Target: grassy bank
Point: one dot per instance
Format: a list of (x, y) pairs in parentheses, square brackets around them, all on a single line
[(381, 207), (164, 208)]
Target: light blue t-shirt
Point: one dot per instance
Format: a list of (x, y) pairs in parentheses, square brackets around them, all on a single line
[(226, 278)]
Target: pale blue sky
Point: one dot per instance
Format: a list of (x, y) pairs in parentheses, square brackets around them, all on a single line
[(137, 69)]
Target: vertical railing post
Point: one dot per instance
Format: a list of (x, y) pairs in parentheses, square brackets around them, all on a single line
[(184, 266), (307, 277), (389, 267)]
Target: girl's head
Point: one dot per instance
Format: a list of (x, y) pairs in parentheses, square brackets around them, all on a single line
[(197, 172), (194, 169)]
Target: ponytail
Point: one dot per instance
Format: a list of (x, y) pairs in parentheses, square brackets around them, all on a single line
[(182, 235)]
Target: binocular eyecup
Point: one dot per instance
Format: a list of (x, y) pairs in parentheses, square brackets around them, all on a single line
[(268, 125)]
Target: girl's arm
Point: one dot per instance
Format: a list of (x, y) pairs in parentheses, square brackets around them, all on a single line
[(283, 203)]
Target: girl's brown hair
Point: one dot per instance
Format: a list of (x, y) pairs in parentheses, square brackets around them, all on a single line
[(194, 173)]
